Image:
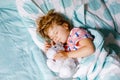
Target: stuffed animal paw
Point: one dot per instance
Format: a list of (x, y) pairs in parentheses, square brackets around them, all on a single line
[(68, 68)]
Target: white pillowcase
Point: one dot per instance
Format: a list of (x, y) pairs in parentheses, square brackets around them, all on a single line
[(38, 40)]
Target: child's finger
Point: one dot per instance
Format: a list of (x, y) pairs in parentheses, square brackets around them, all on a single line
[(52, 43), (56, 57), (59, 51), (46, 43)]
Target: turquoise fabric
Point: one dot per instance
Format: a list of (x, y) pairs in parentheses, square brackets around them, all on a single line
[(20, 58)]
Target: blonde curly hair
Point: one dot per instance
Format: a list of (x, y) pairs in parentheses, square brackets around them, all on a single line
[(45, 22)]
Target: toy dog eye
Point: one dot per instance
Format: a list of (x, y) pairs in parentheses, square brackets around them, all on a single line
[(55, 47)]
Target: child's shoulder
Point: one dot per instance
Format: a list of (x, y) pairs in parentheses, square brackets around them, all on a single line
[(81, 32)]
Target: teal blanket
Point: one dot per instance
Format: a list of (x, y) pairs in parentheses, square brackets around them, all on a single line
[(21, 55), (20, 58)]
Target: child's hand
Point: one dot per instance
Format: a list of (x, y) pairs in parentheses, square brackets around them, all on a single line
[(48, 45), (60, 55)]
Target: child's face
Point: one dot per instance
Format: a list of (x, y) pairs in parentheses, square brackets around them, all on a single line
[(59, 33)]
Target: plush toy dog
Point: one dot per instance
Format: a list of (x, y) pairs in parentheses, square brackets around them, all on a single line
[(64, 67)]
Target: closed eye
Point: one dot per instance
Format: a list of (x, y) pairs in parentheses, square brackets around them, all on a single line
[(54, 35)]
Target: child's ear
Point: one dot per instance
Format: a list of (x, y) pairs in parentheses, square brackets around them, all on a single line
[(65, 25)]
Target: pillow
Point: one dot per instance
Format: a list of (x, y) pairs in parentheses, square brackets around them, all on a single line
[(38, 40)]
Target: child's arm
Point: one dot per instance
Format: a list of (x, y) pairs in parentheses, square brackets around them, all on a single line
[(86, 49)]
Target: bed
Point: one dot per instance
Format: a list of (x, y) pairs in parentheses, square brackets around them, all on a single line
[(21, 49)]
